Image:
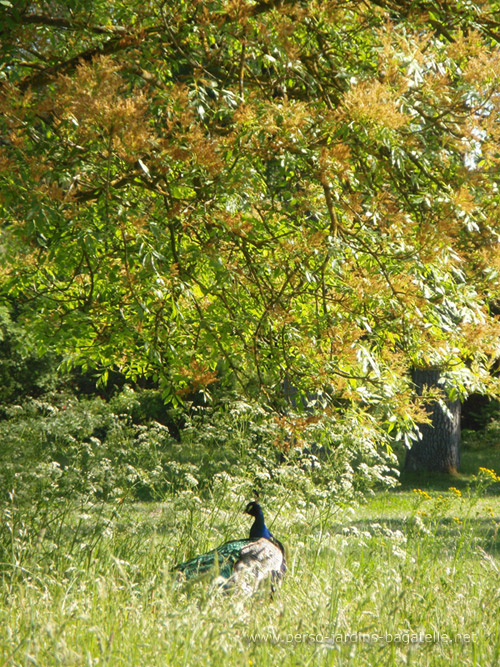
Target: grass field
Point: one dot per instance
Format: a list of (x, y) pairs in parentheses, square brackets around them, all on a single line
[(407, 577)]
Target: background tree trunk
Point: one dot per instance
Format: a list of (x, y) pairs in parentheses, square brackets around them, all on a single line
[(439, 448)]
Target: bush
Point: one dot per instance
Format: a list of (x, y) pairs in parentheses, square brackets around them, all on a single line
[(23, 370), (62, 446)]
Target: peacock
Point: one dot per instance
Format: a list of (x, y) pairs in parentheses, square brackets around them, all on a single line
[(244, 562)]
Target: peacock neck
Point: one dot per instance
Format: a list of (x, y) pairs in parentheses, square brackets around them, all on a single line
[(259, 528)]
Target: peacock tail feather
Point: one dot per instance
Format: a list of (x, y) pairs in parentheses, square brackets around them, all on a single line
[(223, 558)]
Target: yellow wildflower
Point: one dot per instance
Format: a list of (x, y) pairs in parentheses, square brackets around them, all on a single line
[(423, 494), (487, 472)]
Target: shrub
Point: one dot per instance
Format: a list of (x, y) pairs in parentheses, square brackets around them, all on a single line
[(61, 446)]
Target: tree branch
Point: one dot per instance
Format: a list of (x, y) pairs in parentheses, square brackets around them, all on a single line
[(66, 24)]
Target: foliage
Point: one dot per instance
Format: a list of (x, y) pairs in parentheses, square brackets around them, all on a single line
[(57, 446), (253, 193), (485, 439), (22, 370), (60, 446)]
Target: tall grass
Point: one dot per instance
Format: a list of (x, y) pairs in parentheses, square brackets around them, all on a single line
[(410, 577)]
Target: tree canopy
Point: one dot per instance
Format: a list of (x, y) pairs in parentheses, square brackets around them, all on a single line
[(265, 191)]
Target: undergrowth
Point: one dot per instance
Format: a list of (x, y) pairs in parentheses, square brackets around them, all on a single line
[(100, 498), (59, 445), (408, 577)]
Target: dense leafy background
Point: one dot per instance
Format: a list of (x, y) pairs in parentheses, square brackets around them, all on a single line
[(268, 204), (255, 190)]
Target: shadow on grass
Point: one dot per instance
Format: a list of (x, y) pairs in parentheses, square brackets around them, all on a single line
[(472, 460)]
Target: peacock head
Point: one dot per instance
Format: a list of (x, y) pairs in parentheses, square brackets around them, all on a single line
[(253, 508), (259, 528)]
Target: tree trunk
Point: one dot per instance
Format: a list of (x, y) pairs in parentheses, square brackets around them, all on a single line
[(439, 448)]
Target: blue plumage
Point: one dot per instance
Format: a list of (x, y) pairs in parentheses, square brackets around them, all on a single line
[(259, 528)]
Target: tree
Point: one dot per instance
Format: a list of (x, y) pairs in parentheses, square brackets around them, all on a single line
[(257, 190), (438, 446)]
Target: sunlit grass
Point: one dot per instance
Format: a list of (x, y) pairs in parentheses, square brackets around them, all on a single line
[(409, 577)]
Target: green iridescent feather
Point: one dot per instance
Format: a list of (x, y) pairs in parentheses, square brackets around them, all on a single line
[(223, 557)]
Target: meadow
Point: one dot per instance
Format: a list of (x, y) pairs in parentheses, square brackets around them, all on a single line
[(408, 576)]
